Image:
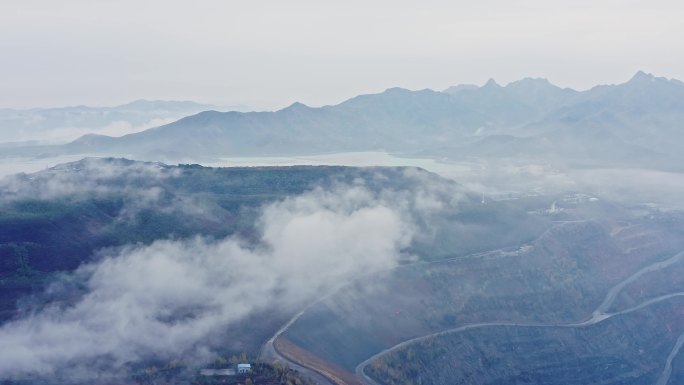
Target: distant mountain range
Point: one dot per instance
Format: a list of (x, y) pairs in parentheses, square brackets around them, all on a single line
[(68, 123), (639, 122)]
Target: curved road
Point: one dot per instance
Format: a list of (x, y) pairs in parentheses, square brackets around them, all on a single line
[(615, 290), (269, 353), (665, 376), (597, 316)]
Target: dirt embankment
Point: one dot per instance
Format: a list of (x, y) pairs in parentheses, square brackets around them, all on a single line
[(296, 354)]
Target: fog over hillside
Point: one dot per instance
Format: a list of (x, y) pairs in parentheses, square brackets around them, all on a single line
[(146, 290), (165, 299), (111, 266)]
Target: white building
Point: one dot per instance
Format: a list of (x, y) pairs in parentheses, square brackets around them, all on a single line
[(244, 368)]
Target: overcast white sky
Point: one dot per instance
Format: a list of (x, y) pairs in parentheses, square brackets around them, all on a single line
[(268, 54)]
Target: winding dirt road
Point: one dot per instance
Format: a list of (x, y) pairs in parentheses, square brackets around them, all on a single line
[(599, 315), (270, 353)]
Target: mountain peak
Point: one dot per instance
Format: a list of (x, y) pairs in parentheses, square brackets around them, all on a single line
[(538, 81), (396, 90), (642, 76), (530, 85), (296, 106), (491, 83)]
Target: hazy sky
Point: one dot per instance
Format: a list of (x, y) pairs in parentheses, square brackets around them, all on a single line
[(267, 54)]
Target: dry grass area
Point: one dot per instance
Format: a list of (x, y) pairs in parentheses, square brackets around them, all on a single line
[(303, 357)]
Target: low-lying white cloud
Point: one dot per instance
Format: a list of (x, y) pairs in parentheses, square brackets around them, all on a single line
[(91, 175), (164, 300)]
